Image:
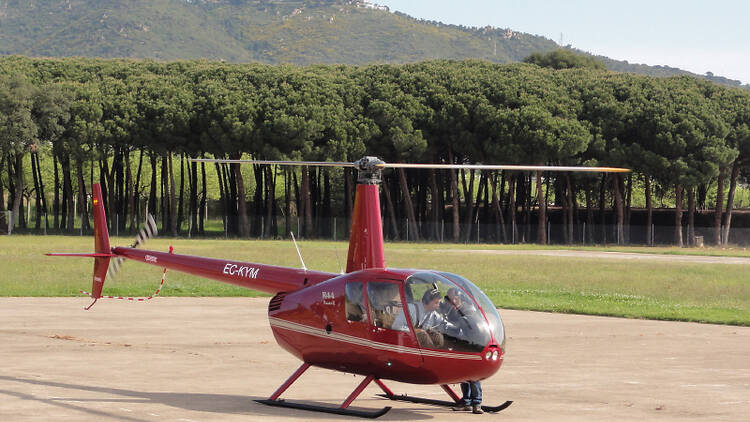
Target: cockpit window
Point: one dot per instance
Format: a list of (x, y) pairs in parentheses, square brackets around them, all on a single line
[(355, 304), (385, 303), (496, 323), (442, 315)]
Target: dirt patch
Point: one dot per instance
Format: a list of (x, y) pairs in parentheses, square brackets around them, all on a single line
[(208, 358), (81, 340)]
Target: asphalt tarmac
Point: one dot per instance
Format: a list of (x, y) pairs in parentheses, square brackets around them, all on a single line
[(207, 359)]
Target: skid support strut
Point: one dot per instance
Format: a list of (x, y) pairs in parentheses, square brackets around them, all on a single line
[(301, 370), (357, 391), (447, 388), (383, 387), (341, 410)]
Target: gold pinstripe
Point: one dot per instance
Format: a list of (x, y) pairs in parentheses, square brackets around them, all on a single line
[(319, 332)]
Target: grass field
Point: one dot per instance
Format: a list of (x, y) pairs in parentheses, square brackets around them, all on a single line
[(716, 293)]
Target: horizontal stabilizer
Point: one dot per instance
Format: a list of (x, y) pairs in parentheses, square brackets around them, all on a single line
[(85, 255)]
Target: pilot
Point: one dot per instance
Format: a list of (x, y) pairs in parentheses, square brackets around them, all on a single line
[(457, 309), (428, 323)]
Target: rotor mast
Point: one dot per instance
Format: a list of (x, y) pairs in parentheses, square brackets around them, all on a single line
[(366, 236)]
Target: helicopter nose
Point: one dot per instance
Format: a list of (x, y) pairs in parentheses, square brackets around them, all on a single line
[(493, 353)]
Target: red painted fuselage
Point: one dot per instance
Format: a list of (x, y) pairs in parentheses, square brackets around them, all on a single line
[(312, 324)]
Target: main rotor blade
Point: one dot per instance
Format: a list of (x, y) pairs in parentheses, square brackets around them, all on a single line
[(506, 167), (382, 165), (281, 163)]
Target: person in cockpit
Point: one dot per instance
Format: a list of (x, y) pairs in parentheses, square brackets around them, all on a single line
[(457, 309), (428, 322)]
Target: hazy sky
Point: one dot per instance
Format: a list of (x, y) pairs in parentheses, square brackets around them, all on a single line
[(695, 35)]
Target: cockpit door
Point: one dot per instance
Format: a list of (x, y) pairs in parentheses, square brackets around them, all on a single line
[(385, 299)]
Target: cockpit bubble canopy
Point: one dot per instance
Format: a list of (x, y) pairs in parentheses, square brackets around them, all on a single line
[(490, 311), (448, 312)]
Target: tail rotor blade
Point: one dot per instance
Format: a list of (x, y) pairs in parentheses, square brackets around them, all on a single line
[(145, 233), (114, 267), (140, 238), (151, 226)]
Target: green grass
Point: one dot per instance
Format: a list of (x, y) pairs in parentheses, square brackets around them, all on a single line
[(716, 293), (731, 251)]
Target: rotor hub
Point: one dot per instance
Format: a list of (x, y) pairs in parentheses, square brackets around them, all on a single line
[(370, 170)]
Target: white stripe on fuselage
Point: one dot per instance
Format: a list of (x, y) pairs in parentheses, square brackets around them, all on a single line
[(319, 332)]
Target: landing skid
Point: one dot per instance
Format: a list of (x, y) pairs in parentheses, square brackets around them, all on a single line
[(493, 409), (456, 400), (444, 403), (325, 409)]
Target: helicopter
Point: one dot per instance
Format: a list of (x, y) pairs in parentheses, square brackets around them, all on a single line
[(370, 320)]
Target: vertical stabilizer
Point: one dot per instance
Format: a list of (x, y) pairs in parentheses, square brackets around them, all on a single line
[(101, 242)]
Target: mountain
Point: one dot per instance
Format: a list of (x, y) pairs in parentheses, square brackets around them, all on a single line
[(268, 31), (300, 32)]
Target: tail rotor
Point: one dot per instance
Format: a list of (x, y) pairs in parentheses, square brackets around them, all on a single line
[(102, 254), (146, 232)]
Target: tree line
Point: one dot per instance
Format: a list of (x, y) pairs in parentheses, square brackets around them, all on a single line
[(131, 125)]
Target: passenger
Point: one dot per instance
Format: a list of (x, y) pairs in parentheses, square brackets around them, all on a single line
[(428, 323), (355, 307), (384, 301)]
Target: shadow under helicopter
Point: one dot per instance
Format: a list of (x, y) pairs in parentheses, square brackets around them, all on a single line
[(214, 403)]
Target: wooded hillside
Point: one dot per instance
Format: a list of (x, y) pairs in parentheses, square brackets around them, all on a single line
[(110, 121), (302, 32)]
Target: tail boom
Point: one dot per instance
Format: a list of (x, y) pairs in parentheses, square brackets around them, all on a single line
[(265, 278)]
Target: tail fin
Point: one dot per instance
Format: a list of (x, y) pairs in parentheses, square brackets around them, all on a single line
[(103, 263), (102, 253), (101, 242)]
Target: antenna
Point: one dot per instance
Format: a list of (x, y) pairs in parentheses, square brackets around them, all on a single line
[(298, 253), (341, 269)]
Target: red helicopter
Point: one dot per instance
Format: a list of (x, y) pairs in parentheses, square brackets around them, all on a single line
[(407, 325)]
